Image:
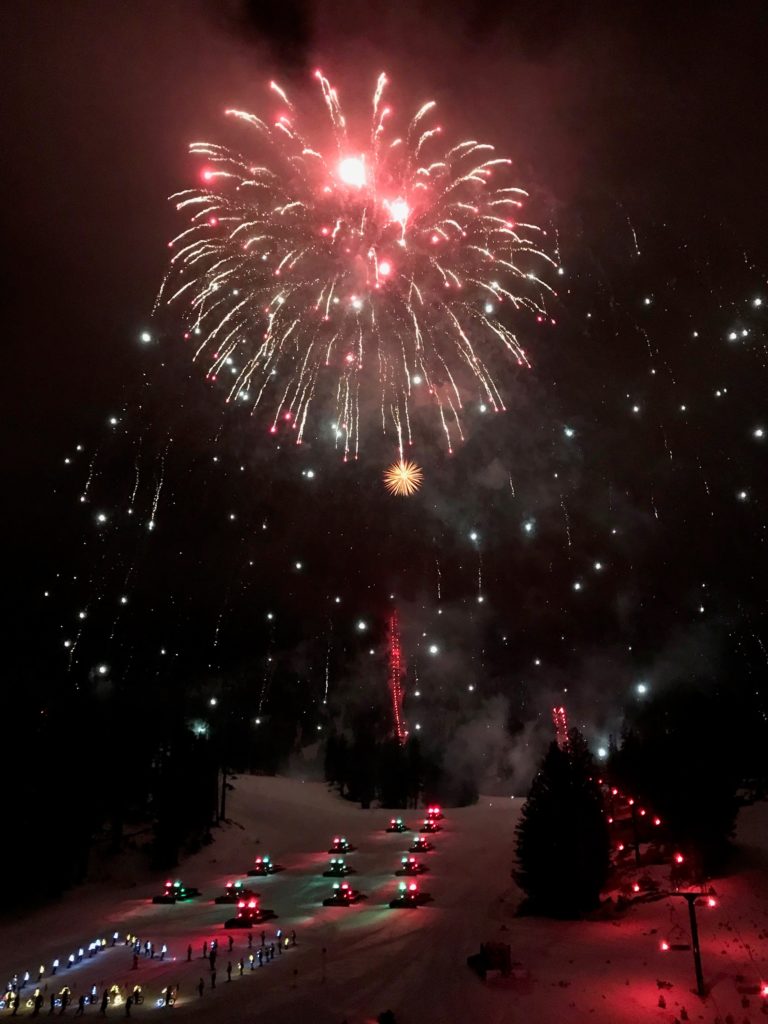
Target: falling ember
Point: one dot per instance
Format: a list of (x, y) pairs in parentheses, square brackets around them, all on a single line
[(403, 478), (409, 254)]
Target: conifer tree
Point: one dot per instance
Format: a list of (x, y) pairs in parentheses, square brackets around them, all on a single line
[(562, 837)]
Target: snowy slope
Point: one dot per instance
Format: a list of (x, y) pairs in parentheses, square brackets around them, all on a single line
[(410, 961)]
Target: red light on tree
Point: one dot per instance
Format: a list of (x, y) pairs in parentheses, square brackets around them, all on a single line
[(635, 887), (664, 946), (657, 821), (679, 858)]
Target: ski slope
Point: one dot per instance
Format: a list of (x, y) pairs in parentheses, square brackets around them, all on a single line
[(410, 961)]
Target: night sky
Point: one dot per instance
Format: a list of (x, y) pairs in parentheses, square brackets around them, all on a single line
[(617, 507)]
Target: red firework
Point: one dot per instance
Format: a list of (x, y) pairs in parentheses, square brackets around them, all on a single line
[(396, 672), (560, 719)]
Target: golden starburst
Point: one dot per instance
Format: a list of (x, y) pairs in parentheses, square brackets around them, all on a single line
[(403, 478)]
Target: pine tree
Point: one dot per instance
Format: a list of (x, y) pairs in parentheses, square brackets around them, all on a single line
[(562, 836)]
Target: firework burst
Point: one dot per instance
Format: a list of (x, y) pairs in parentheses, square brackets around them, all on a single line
[(335, 271), (403, 478)]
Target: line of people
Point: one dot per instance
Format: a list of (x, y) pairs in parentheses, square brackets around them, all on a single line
[(263, 954)]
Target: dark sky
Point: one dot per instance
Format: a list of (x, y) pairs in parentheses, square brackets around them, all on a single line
[(639, 130)]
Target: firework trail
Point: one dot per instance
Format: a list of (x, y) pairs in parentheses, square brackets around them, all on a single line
[(358, 265), (158, 488), (396, 673), (89, 480), (327, 672), (567, 520), (137, 477)]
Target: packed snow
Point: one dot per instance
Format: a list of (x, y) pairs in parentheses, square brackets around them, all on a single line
[(351, 963)]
